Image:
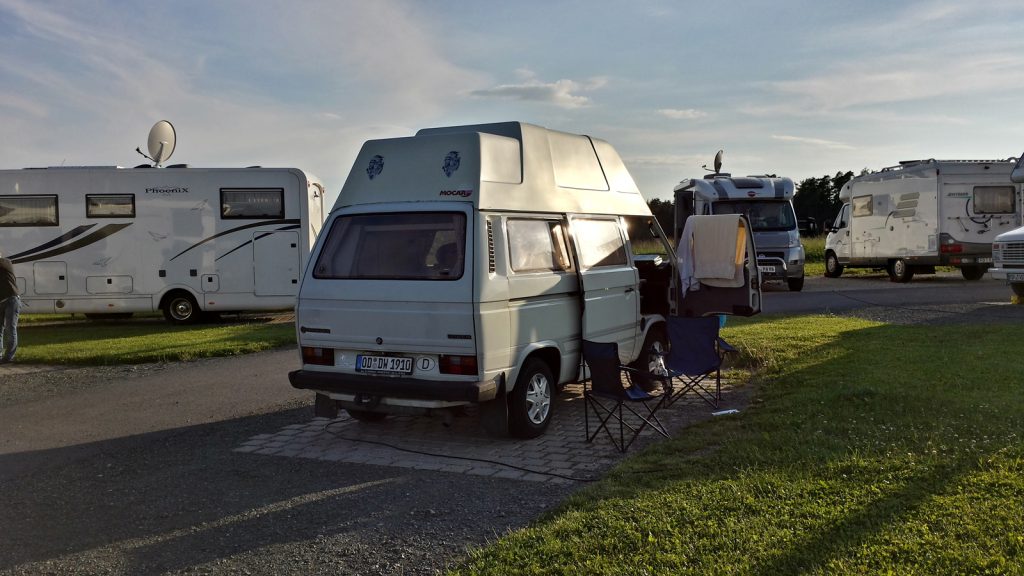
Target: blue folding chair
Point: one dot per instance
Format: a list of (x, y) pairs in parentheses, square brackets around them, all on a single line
[(604, 393), (694, 358)]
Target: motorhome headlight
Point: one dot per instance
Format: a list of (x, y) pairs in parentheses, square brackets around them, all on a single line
[(318, 356), (461, 365)]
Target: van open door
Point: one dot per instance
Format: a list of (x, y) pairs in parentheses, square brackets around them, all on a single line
[(611, 301), (717, 264)]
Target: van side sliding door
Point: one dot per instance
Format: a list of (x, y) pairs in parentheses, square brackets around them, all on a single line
[(611, 311)]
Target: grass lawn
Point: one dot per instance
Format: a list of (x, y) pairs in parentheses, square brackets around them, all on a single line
[(140, 340), (869, 449)]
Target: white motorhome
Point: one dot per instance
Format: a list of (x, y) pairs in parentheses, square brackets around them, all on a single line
[(187, 241), (464, 265), (767, 202), (921, 214), (1008, 247)]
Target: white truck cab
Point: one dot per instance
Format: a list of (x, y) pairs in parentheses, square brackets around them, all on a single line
[(465, 264), (1008, 247)]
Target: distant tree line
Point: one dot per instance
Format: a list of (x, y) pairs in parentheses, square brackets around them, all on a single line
[(816, 198)]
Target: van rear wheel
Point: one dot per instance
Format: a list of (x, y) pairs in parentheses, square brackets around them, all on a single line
[(795, 284), (530, 405), (1018, 288)]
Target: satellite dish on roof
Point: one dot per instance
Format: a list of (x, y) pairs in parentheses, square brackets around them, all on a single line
[(161, 142), (718, 165)]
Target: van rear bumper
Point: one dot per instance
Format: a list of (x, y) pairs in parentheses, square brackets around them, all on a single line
[(447, 390)]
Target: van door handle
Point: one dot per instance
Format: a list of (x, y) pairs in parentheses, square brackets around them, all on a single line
[(630, 289)]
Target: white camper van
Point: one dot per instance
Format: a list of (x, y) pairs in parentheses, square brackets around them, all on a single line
[(110, 240), (921, 214), (464, 265), (1008, 247), (768, 205)]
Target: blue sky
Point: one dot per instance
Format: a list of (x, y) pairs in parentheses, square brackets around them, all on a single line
[(792, 87)]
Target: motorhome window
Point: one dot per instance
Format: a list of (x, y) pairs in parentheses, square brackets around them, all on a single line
[(764, 215), (862, 206), (28, 211), (394, 246), (993, 200), (252, 202), (110, 206), (600, 243), (536, 245)]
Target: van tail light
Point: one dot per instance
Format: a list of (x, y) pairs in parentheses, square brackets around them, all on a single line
[(951, 248), (318, 356), (462, 365)]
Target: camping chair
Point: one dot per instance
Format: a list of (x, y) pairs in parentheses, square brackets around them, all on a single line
[(694, 358), (607, 397)]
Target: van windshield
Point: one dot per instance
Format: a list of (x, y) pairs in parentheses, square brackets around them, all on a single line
[(398, 246), (764, 215)]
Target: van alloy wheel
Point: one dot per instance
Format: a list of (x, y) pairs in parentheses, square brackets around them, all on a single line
[(530, 401)]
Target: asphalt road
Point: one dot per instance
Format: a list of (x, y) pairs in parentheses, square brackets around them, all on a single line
[(847, 293), (137, 470)]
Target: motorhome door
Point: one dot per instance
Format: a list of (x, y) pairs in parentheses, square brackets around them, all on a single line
[(611, 301)]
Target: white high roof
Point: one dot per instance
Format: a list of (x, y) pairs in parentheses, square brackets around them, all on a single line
[(504, 166)]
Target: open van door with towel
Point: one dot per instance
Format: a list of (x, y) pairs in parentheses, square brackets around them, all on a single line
[(717, 263)]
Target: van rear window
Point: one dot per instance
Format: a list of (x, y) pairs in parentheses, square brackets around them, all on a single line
[(394, 246)]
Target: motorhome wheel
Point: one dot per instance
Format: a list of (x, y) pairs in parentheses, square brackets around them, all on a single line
[(181, 308), (899, 271), (530, 406), (833, 269), (972, 272)]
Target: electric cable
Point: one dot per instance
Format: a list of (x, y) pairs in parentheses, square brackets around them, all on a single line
[(327, 428)]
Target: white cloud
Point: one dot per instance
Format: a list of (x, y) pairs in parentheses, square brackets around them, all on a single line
[(562, 93), (684, 114), (813, 142)]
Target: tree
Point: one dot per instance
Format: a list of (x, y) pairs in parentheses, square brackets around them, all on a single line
[(818, 198), (664, 211)]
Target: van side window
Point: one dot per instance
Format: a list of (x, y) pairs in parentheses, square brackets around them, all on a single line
[(600, 243), (993, 199), (862, 206), (536, 245), (28, 211), (110, 205), (252, 202)]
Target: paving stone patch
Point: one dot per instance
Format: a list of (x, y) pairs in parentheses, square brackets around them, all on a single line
[(560, 455)]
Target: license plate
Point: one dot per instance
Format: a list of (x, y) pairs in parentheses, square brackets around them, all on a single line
[(1015, 277), (984, 260), (384, 364), (767, 269)]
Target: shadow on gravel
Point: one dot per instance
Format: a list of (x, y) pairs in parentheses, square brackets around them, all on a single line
[(153, 503), (183, 501)]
